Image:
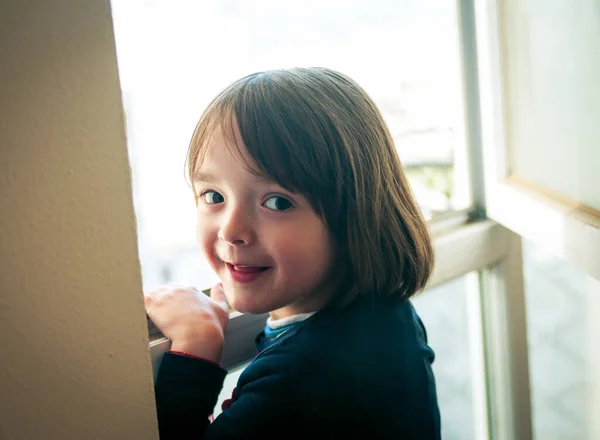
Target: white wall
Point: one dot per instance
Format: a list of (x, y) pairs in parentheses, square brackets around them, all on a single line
[(74, 360)]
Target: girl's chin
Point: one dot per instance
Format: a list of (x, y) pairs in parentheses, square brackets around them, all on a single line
[(250, 310), (249, 307)]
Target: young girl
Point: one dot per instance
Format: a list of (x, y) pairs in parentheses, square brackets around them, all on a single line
[(303, 212)]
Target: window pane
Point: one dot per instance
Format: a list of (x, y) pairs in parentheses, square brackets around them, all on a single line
[(552, 66), (174, 56), (443, 310), (563, 307)]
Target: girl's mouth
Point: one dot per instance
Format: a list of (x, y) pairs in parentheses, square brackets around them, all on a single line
[(245, 273)]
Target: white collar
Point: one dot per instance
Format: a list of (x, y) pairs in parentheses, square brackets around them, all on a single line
[(274, 324)]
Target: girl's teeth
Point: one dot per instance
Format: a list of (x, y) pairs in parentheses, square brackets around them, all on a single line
[(248, 269)]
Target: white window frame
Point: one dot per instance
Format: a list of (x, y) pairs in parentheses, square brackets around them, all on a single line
[(565, 227)]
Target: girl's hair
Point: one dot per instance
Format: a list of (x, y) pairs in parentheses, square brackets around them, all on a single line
[(316, 132)]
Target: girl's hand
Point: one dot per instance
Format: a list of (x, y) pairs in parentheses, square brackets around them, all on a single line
[(193, 322)]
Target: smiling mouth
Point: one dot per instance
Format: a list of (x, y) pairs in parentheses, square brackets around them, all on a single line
[(242, 268), (246, 274)]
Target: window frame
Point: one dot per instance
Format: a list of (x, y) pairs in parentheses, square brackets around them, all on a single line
[(564, 226)]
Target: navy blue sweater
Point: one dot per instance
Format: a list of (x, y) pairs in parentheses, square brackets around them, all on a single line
[(361, 371)]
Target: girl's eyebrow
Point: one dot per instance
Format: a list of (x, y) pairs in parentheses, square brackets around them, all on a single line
[(204, 177), (199, 176)]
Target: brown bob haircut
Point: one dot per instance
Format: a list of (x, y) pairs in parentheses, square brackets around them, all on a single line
[(316, 132)]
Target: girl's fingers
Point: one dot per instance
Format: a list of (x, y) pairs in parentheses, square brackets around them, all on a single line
[(217, 294), (148, 298)]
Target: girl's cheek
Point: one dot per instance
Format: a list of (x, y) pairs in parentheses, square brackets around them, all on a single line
[(199, 234), (204, 231)]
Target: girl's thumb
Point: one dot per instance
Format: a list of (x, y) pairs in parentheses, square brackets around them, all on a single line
[(217, 293)]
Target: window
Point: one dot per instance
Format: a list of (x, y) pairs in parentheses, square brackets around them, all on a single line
[(538, 122), (563, 305), (444, 311), (552, 60), (534, 70)]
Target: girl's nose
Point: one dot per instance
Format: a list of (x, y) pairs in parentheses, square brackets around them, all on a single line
[(236, 228)]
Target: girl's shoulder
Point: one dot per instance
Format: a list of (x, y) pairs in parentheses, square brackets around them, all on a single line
[(344, 338), (350, 360), (366, 318)]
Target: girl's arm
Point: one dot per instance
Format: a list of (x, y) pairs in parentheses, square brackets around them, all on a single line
[(187, 387), (280, 394), (186, 391)]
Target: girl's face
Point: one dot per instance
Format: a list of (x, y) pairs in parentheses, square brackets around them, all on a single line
[(270, 249)]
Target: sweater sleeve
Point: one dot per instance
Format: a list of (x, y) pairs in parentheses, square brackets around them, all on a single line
[(186, 391)]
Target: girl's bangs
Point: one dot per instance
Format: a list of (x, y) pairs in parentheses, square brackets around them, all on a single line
[(254, 115), (218, 119), (282, 137)]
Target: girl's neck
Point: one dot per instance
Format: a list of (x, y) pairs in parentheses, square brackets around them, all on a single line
[(275, 324)]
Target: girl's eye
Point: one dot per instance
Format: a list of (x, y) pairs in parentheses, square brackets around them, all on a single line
[(212, 197), (278, 203)]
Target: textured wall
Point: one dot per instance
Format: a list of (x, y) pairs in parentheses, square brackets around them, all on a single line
[(74, 362)]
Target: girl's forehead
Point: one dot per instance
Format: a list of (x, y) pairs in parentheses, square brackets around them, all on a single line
[(224, 150)]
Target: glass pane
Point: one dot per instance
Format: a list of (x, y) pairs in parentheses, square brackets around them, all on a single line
[(552, 66), (443, 310), (563, 307), (174, 56)]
